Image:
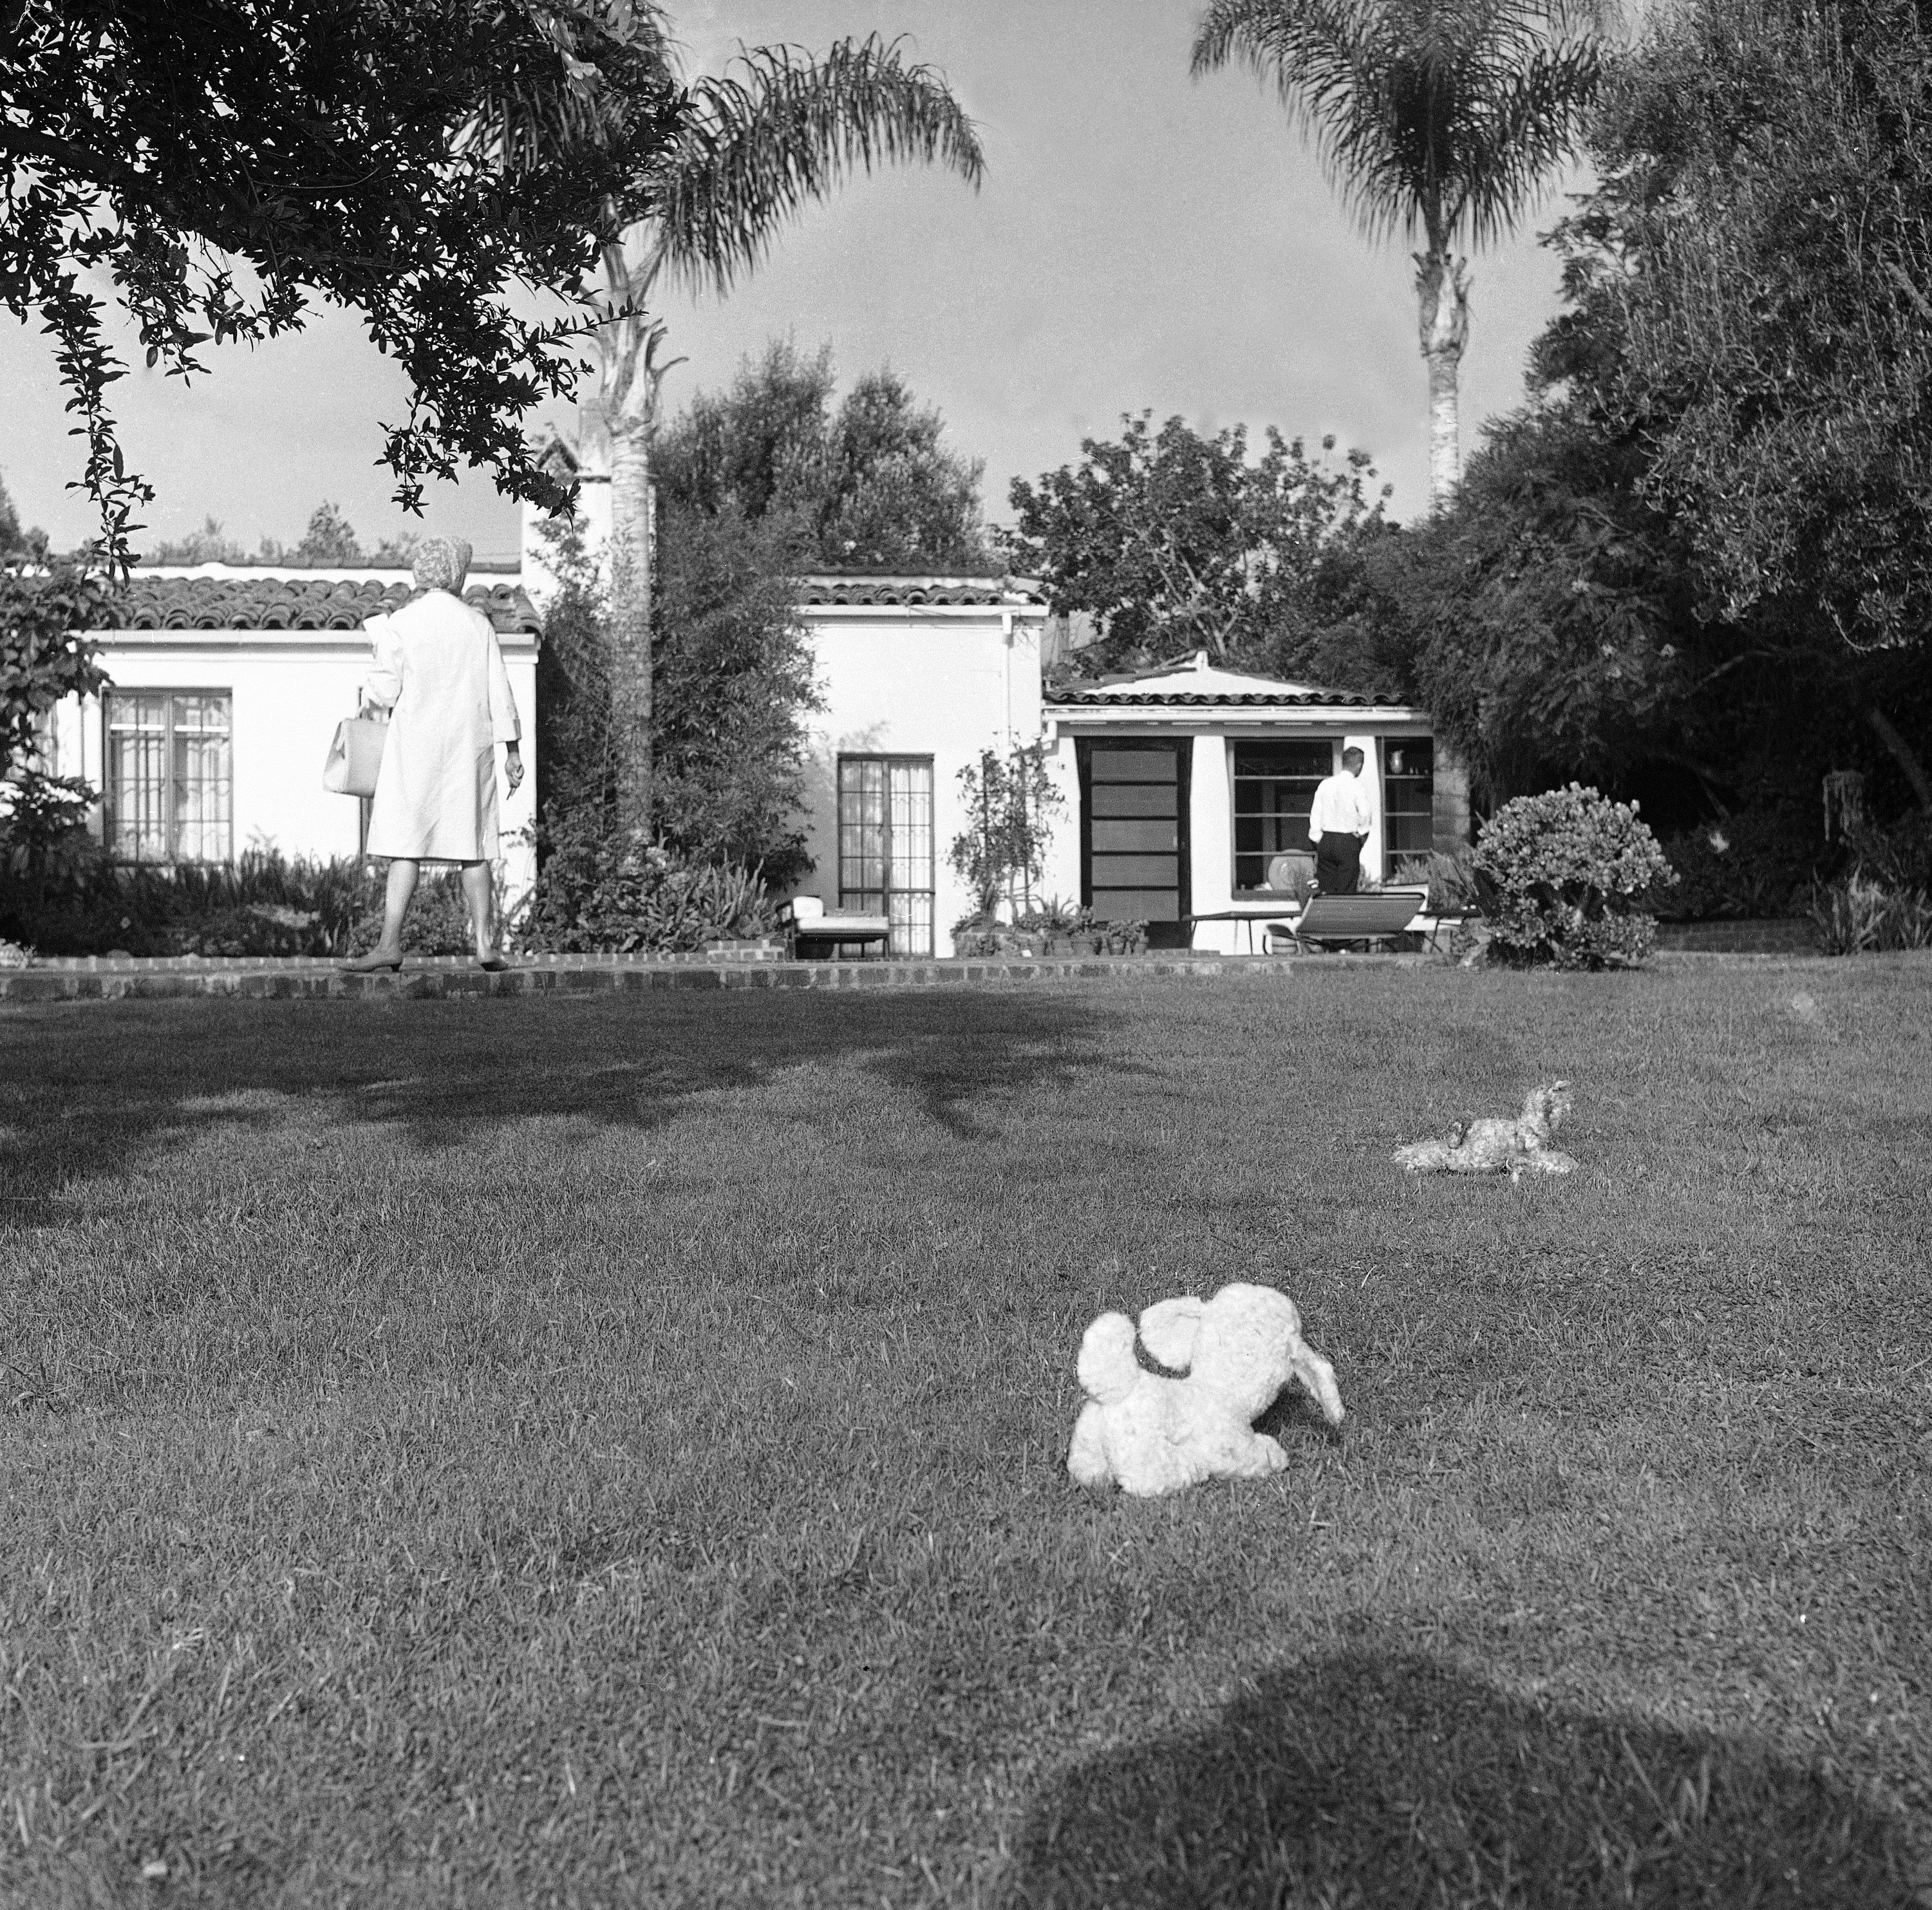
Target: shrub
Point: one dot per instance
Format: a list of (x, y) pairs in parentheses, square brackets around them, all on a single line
[(1560, 876), (1860, 915), (1451, 878), (625, 895), (437, 924), (60, 893), (1010, 803)]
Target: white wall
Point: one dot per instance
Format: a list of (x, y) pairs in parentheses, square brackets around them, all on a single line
[(942, 681), (289, 688)]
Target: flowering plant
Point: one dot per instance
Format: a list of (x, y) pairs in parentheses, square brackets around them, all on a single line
[(1560, 876)]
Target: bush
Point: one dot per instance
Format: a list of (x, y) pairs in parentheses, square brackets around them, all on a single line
[(1860, 915), (437, 924), (624, 894), (62, 896), (1451, 877), (1757, 862), (1560, 876)]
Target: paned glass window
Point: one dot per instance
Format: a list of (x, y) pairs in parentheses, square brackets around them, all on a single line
[(885, 845), (1274, 791), (1408, 801), (170, 789)]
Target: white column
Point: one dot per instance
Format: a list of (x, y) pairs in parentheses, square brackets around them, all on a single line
[(1371, 747), (1211, 841), (1061, 874)]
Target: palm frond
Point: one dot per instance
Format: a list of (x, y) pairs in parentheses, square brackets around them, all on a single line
[(782, 130), (1440, 115)]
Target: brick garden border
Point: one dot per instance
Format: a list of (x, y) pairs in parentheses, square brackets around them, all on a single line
[(445, 977)]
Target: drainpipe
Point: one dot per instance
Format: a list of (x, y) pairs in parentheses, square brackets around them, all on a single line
[(1007, 675)]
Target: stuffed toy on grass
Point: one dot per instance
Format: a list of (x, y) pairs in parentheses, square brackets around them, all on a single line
[(1151, 1434), (1513, 1147)]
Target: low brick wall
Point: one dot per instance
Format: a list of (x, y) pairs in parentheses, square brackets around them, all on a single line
[(97, 978), (1784, 935)]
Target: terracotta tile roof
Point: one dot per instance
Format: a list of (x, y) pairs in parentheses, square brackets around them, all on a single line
[(1120, 696), (276, 603), (859, 589)]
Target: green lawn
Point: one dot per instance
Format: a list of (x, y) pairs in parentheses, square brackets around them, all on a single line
[(610, 1450)]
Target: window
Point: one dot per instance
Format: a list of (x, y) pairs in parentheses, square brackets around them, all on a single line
[(1274, 790), (170, 779), (885, 845), (1408, 801)]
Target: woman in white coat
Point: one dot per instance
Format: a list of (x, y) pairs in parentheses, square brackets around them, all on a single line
[(438, 671)]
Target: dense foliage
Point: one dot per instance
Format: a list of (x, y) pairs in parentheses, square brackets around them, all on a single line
[(732, 685), (1561, 877), (624, 894), (1753, 278), (60, 896), (42, 660), (384, 158), (1171, 541), (865, 485)]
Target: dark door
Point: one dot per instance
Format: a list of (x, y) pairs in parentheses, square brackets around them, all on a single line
[(1133, 833)]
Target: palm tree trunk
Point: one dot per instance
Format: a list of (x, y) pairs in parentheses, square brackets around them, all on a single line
[(618, 435), (1442, 301), (631, 697)]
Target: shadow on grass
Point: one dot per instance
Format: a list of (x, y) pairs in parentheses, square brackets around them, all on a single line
[(1372, 1780), (93, 1092)]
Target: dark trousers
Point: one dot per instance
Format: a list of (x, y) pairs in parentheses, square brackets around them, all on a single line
[(1338, 864)]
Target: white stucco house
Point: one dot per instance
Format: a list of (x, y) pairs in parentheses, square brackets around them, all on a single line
[(1184, 792), (1181, 791), (226, 684)]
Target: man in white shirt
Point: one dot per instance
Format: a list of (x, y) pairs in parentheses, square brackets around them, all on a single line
[(1339, 825)]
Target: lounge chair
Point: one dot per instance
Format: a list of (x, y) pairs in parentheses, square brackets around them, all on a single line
[(808, 924), (1373, 915)]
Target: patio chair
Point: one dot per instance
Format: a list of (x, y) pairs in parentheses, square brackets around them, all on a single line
[(807, 924), (1374, 916)]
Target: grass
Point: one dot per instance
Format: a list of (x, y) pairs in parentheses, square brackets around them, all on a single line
[(610, 1451)]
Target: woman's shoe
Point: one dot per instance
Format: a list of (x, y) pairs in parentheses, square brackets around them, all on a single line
[(495, 965), (371, 964)]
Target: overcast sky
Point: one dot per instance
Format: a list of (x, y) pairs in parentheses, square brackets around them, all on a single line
[(1142, 242)]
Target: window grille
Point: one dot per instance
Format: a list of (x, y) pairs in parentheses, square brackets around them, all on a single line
[(1274, 794), (170, 793), (1408, 801), (885, 845)]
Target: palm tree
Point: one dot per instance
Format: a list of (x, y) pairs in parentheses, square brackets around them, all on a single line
[(754, 148), (1439, 117)]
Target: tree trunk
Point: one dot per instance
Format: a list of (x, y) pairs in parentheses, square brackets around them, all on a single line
[(1442, 302), (616, 435), (631, 662), (1903, 755)]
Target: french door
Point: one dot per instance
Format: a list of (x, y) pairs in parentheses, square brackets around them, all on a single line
[(885, 845)]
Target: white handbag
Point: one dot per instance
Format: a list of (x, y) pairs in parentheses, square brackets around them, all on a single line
[(355, 756)]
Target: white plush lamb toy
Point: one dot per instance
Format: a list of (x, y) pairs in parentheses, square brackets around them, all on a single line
[(1150, 1434)]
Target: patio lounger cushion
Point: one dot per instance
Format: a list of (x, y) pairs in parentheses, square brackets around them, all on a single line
[(1375, 913), (807, 918), (844, 928)]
